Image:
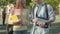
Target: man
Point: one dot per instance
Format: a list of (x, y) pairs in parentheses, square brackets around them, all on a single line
[(43, 16)]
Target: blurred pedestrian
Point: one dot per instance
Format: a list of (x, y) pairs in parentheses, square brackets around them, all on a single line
[(9, 24), (4, 15)]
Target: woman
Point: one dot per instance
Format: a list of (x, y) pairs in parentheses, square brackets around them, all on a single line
[(19, 27)]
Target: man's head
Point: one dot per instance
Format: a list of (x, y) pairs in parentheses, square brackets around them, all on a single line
[(38, 1)]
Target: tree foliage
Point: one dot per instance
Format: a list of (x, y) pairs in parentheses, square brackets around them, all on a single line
[(5, 2), (30, 3), (54, 3)]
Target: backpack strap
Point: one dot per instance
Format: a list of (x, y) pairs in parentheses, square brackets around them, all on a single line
[(46, 9)]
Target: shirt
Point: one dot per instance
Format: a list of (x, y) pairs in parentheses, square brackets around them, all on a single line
[(25, 14), (42, 13)]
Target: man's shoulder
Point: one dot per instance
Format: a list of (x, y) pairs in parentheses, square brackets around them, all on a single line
[(43, 3), (48, 5)]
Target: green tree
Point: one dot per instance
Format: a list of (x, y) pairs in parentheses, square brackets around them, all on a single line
[(28, 2), (32, 3), (54, 3), (5, 2)]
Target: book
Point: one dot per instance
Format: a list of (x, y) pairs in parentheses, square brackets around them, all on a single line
[(14, 18)]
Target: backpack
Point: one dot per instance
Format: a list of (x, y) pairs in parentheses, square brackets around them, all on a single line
[(46, 11)]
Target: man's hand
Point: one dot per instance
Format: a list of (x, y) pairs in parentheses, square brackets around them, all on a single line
[(42, 25), (35, 20)]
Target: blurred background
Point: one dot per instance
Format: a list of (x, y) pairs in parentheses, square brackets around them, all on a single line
[(55, 27)]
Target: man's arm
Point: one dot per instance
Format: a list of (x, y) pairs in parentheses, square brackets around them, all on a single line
[(51, 14)]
